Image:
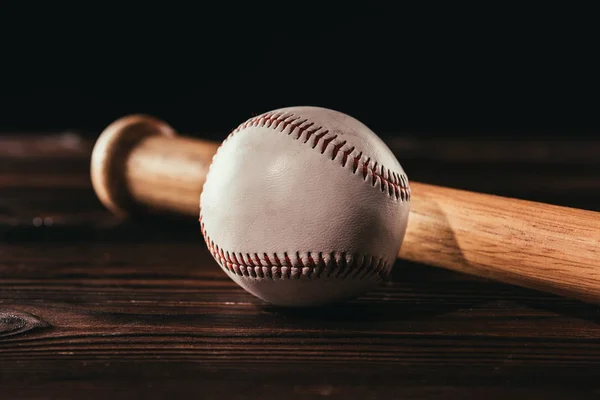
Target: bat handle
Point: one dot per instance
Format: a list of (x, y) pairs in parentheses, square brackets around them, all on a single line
[(139, 164)]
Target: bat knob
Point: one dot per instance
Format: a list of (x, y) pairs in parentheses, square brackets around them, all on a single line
[(110, 154)]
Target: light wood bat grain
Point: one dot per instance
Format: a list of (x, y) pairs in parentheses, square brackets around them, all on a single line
[(140, 165)]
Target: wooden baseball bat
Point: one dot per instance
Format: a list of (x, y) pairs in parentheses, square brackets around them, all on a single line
[(139, 164)]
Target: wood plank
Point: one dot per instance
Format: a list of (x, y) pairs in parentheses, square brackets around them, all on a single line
[(95, 306)]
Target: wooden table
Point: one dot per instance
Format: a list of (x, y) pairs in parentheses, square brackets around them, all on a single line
[(96, 307)]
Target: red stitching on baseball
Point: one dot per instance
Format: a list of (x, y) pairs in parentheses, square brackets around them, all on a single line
[(311, 261), (346, 154), (375, 176), (309, 133), (326, 143), (361, 266), (366, 169), (336, 149), (287, 259), (280, 121), (318, 137), (299, 258), (356, 162)]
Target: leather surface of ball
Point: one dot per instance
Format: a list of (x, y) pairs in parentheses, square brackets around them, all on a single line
[(304, 206)]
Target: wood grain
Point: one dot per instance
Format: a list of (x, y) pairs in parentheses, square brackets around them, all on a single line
[(529, 244), (122, 314), (137, 308), (536, 245)]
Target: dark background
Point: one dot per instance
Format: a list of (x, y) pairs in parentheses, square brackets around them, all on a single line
[(206, 69)]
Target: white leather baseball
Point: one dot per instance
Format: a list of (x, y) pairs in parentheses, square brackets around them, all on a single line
[(304, 206)]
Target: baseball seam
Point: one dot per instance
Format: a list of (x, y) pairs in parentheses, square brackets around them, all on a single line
[(304, 265), (310, 265), (395, 184)]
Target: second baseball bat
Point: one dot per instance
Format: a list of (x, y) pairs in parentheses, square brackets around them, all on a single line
[(140, 164)]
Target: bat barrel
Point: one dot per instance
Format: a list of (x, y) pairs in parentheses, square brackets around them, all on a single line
[(539, 246)]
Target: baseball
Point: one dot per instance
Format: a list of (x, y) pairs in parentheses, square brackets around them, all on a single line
[(304, 206)]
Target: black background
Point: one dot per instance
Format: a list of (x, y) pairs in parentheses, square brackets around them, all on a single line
[(206, 69)]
